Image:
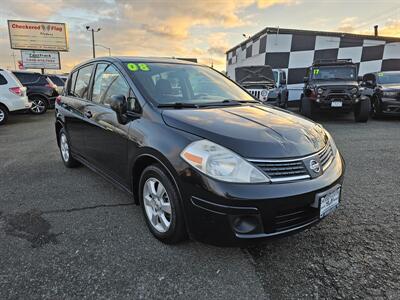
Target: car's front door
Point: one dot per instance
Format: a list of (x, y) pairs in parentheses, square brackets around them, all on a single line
[(106, 138)]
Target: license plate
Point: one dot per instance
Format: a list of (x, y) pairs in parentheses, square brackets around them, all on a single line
[(336, 104), (328, 201)]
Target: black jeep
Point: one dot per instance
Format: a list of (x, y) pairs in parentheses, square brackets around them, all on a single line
[(333, 85), (265, 84)]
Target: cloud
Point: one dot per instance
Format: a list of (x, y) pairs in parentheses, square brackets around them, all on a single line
[(353, 25), (178, 28)]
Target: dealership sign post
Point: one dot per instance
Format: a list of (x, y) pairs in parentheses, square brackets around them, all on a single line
[(39, 42), (33, 59), (29, 35)]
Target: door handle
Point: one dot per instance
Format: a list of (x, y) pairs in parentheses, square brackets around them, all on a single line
[(88, 114)]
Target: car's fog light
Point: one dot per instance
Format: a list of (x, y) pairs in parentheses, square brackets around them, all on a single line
[(246, 224)]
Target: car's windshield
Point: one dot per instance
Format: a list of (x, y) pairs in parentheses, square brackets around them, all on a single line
[(388, 78), (168, 83), (275, 75), (334, 72)]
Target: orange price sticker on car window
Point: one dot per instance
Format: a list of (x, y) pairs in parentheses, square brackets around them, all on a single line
[(138, 67)]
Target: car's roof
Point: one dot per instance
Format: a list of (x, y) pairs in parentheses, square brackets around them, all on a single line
[(386, 72), (27, 72), (138, 59)]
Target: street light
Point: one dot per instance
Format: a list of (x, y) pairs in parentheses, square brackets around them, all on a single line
[(93, 31), (102, 46)]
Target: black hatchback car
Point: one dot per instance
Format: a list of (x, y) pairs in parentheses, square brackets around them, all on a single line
[(196, 151), (384, 90)]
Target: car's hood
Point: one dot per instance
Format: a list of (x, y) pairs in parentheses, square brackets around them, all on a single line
[(253, 74), (253, 131), (393, 86)]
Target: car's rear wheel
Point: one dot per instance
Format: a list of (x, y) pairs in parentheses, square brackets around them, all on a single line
[(161, 207), (3, 115), (307, 107), (65, 150), (362, 110), (39, 105)]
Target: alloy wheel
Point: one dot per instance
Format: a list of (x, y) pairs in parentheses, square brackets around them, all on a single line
[(64, 147), (157, 205), (38, 106), (2, 115)]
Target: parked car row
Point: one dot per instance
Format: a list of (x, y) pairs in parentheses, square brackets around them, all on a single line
[(35, 92), (328, 85)]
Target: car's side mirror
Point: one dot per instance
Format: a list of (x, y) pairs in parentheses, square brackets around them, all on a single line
[(119, 104), (305, 79)]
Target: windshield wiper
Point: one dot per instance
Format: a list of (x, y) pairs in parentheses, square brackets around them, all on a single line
[(239, 101), (178, 105)]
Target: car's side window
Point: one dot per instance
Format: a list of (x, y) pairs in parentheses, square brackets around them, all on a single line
[(71, 84), (108, 82), (82, 82), (2, 80), (99, 83)]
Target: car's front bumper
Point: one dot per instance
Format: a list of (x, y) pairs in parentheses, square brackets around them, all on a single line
[(390, 105), (213, 209)]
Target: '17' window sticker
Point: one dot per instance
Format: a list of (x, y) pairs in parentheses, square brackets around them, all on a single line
[(138, 67)]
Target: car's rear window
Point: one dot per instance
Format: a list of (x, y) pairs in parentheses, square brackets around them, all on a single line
[(57, 80), (3, 81)]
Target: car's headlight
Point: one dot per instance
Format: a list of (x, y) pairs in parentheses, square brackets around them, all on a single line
[(264, 93), (320, 90), (221, 163), (354, 90)]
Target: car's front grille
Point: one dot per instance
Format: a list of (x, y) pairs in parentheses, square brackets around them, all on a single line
[(286, 170), (296, 217), (326, 157), (337, 91), (255, 93), (282, 171)]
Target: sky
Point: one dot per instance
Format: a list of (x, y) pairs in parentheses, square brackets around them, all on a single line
[(204, 29)]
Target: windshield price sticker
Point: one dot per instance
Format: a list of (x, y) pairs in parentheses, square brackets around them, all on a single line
[(316, 71), (138, 67), (380, 74)]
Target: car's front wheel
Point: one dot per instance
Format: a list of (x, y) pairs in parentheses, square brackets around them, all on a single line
[(161, 206), (3, 115), (307, 107), (65, 150), (376, 109), (362, 110), (39, 105)]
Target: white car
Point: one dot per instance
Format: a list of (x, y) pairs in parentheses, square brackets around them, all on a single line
[(12, 95)]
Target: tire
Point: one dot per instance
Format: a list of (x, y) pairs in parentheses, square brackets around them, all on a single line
[(362, 110), (376, 109), (65, 150), (3, 115), (39, 105), (307, 107), (161, 205)]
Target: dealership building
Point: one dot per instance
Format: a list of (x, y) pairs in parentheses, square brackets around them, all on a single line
[(294, 51)]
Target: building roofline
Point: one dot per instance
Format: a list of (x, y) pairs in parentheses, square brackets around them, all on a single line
[(277, 30)]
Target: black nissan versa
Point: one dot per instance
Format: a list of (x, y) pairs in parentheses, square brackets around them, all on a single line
[(196, 151)]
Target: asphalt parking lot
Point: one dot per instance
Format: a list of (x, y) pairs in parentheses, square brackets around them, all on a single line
[(67, 233)]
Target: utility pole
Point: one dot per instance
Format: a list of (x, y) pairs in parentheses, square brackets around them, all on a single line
[(88, 28), (15, 65)]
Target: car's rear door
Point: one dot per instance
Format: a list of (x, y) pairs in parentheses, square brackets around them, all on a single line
[(74, 107), (106, 138)]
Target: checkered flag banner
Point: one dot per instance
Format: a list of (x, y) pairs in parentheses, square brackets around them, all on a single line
[(295, 50)]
